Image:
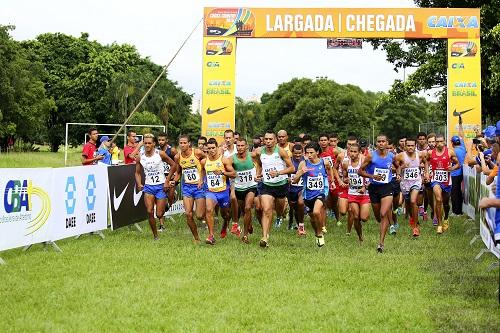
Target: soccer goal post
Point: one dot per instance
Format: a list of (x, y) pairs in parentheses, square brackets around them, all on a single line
[(66, 143)]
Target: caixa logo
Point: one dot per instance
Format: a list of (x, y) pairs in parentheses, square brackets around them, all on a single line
[(70, 195), (17, 195), (90, 187)]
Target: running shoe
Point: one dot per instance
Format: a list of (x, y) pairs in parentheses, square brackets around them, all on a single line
[(323, 230), (264, 243), (435, 221), (425, 217), (339, 223), (399, 211), (412, 223), (301, 231), (235, 230), (416, 232), (210, 240), (245, 239), (223, 233), (278, 222), (250, 228), (439, 229), (421, 211), (320, 241), (348, 234), (156, 238), (380, 248), (392, 230), (446, 225), (290, 226), (161, 228), (396, 226)]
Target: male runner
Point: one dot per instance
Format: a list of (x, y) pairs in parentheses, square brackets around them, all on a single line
[(155, 185), (341, 192), (378, 166), (314, 173), (218, 170), (295, 198), (189, 167), (244, 185), (422, 147), (401, 145), (431, 144), (202, 142), (408, 163), (359, 200), (283, 142), (171, 152), (228, 149), (273, 165), (334, 141), (442, 162)]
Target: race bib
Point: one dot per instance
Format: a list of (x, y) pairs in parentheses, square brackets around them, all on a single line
[(191, 175), (166, 167), (384, 173), (315, 183), (440, 176), (300, 183), (328, 159), (355, 181), (270, 179), (411, 173), (245, 179), (214, 182)]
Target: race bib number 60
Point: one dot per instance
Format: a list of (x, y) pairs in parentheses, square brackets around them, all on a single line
[(191, 175)]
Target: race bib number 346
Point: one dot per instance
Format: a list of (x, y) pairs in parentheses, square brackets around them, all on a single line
[(410, 174)]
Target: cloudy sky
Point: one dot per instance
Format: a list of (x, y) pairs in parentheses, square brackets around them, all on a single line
[(157, 29)]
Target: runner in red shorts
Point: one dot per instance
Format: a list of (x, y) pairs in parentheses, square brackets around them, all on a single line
[(358, 198), (342, 189)]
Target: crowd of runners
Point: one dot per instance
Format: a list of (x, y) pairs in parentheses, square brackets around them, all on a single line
[(271, 180)]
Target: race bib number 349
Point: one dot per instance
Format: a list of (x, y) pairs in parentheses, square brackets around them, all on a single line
[(315, 183)]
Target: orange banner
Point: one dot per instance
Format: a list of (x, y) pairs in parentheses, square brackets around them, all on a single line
[(342, 22)]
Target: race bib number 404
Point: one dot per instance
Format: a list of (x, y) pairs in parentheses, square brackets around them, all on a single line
[(191, 175), (383, 173), (440, 176), (411, 173)]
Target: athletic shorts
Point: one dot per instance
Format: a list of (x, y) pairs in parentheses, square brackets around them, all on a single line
[(341, 192), (222, 198), (241, 195), (278, 192), (192, 191), (293, 196), (377, 192), (427, 185), (156, 190), (259, 188), (396, 187), (310, 202), (359, 199), (416, 187), (444, 188)]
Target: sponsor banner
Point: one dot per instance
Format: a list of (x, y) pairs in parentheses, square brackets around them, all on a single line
[(472, 182), (487, 219), (126, 204), (344, 43), (82, 201), (464, 86), (342, 22), (218, 86), (26, 207)]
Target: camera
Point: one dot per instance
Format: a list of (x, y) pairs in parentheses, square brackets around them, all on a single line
[(476, 141)]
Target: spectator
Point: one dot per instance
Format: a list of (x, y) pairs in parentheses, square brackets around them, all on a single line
[(89, 155), (130, 150), (115, 154), (457, 176), (104, 150)]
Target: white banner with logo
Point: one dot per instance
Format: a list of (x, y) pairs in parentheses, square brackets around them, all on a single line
[(26, 209), (82, 194), (487, 219)]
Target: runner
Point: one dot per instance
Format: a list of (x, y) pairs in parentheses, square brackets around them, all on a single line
[(441, 160), (295, 198), (218, 171), (150, 162), (314, 173), (409, 163), (334, 141), (244, 185), (228, 149), (343, 187), (189, 167), (431, 144), (422, 147), (329, 156), (378, 166), (401, 145), (273, 164), (202, 142), (171, 152), (359, 200), (287, 147)]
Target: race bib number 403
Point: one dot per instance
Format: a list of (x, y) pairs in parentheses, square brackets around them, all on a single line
[(440, 176), (383, 173)]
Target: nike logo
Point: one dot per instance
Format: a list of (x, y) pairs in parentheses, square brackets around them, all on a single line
[(117, 200), (137, 196), (212, 111)]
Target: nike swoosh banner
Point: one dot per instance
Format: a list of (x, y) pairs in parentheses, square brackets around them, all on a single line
[(464, 86), (218, 94), (125, 203)]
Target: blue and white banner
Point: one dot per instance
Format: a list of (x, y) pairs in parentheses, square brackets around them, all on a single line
[(82, 194), (487, 219), (26, 209)]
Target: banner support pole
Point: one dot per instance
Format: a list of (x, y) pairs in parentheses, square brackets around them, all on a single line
[(2, 262), (98, 233), (483, 251), (53, 244), (473, 240)]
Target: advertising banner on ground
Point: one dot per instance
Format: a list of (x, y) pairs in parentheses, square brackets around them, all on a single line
[(26, 208), (82, 194), (218, 94)]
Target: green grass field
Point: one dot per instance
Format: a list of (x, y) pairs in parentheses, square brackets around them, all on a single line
[(128, 283)]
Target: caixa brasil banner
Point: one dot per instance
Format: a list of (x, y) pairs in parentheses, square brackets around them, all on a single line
[(223, 26), (50, 204)]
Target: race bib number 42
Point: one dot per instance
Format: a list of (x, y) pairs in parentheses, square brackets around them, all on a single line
[(440, 176), (300, 183), (191, 175), (411, 173), (315, 183), (383, 173)]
